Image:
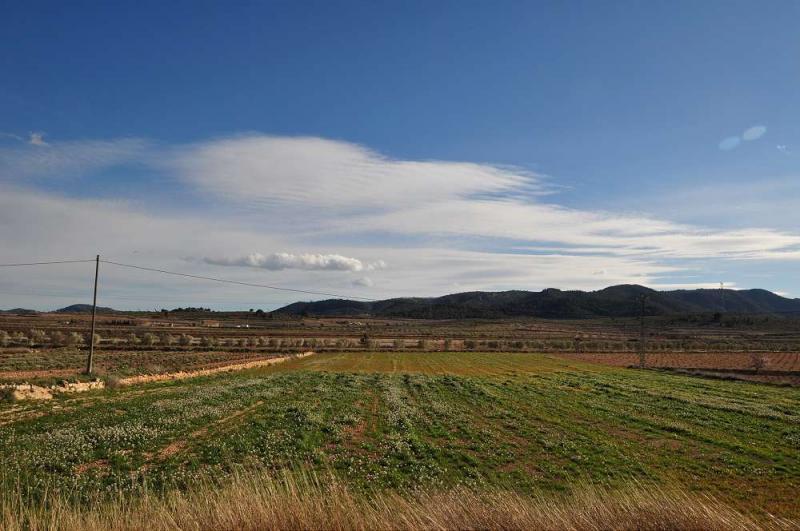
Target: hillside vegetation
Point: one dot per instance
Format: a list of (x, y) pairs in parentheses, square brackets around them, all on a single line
[(615, 301)]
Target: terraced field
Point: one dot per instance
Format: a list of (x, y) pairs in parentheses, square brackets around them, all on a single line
[(524, 422)]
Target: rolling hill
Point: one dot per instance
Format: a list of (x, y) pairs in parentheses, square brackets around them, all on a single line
[(614, 301), (84, 308)]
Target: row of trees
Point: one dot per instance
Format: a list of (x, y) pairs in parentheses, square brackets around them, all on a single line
[(40, 338)]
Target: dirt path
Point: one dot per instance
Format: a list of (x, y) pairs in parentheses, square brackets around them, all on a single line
[(30, 375)]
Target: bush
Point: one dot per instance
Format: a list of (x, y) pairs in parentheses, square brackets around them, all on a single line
[(6, 394), (133, 339), (208, 341), (38, 337), (20, 339), (74, 339), (58, 338), (149, 339), (399, 344), (168, 339), (5, 339), (185, 340)]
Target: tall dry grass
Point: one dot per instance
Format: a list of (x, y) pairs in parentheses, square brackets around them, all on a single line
[(256, 500)]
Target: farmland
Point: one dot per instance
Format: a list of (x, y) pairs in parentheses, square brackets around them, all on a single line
[(527, 423), (518, 410), (48, 347)]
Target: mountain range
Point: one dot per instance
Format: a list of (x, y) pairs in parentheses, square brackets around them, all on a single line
[(615, 301)]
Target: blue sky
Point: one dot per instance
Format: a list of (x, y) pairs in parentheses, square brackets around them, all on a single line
[(388, 148)]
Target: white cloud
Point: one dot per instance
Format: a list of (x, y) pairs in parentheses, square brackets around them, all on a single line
[(363, 282), (307, 261), (320, 172), (347, 188), (754, 133), (439, 224), (37, 139), (577, 231)]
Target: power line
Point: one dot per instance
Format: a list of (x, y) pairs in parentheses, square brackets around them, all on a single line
[(197, 277), (47, 263), (236, 282)]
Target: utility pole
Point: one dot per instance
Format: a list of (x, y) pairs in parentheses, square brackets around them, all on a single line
[(94, 316), (642, 351)]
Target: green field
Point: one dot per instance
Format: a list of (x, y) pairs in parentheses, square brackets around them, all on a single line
[(523, 422)]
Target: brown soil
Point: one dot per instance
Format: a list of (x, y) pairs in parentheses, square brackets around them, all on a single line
[(706, 363)]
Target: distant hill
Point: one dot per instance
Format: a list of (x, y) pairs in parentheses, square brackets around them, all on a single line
[(20, 311), (614, 301), (84, 308)]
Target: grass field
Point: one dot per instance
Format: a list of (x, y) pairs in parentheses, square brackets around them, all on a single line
[(526, 423)]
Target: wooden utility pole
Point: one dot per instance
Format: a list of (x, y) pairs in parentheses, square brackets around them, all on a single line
[(90, 361), (642, 351)]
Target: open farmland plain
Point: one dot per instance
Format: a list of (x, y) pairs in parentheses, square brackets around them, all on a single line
[(48, 347), (392, 421)]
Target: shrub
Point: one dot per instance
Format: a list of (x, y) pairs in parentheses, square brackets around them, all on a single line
[(38, 337), (5, 339), (399, 344), (6, 394), (168, 339), (58, 339), (74, 339), (133, 339), (208, 341), (149, 339), (19, 338), (185, 340), (448, 344)]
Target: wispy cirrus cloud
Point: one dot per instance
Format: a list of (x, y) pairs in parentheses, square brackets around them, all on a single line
[(320, 172), (66, 159), (442, 225)]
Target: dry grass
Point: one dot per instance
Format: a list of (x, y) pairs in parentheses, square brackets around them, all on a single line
[(258, 500)]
